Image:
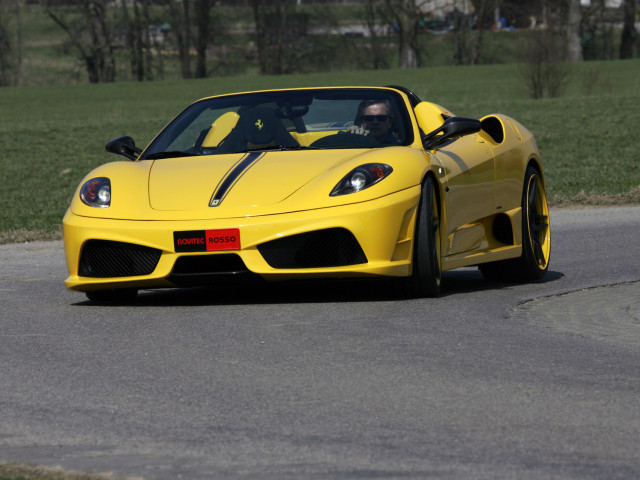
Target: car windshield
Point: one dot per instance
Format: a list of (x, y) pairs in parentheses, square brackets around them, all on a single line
[(286, 120)]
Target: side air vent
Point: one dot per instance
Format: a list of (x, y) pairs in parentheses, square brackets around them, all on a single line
[(334, 247), (494, 128), (103, 258), (502, 229)]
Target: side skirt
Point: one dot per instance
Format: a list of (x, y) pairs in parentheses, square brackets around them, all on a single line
[(468, 259), (491, 239)]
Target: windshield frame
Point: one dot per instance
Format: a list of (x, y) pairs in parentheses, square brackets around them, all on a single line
[(164, 140)]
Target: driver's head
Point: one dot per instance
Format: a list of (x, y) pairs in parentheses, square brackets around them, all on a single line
[(375, 116)]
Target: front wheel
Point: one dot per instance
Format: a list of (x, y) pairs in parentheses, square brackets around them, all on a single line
[(536, 237), (426, 274)]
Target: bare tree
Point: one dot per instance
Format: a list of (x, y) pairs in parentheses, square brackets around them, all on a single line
[(202, 38), (135, 30), (462, 26), (270, 19), (629, 34), (91, 34), (182, 13), (10, 43), (378, 52), (477, 48), (406, 16), (598, 27), (574, 44), (545, 70), (280, 36)]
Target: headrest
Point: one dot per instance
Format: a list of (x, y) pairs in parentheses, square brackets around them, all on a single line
[(258, 125)]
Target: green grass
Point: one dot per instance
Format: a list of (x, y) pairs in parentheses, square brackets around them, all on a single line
[(50, 137)]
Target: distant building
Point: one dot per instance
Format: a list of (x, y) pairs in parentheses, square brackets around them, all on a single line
[(441, 8), (607, 3)]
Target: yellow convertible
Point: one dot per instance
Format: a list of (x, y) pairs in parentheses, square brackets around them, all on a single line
[(310, 183)]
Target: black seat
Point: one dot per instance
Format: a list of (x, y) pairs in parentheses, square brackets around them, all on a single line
[(257, 127)]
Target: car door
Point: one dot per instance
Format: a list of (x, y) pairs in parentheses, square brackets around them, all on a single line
[(469, 192)]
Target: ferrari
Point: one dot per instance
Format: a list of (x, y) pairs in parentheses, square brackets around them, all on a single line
[(339, 182)]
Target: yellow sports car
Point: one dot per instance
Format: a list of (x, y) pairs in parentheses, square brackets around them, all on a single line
[(313, 182)]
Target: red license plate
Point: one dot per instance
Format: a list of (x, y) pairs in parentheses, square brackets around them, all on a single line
[(207, 240), (223, 239)]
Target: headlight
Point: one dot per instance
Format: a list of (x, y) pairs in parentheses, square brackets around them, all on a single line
[(362, 177), (96, 192)]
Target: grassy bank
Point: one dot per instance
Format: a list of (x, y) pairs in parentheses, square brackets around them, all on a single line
[(50, 137)]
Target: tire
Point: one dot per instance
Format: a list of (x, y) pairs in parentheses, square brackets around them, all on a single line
[(426, 272), (121, 295), (533, 264)]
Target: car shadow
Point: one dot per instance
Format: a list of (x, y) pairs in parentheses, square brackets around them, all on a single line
[(455, 282)]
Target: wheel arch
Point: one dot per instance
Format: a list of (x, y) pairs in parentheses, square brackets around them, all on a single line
[(536, 163), (440, 195), (439, 191)]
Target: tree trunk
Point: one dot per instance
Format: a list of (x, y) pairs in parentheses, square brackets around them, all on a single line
[(146, 42), (102, 43), (405, 11), (477, 48), (378, 55), (10, 45), (184, 40), (18, 46), (202, 39), (574, 44), (130, 38), (629, 34), (281, 13), (270, 21), (137, 47), (260, 35)]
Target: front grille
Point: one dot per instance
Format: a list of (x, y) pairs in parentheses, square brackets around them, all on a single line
[(198, 264), (104, 258), (334, 247), (191, 270)]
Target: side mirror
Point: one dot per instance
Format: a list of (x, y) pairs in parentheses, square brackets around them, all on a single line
[(124, 146), (453, 127)]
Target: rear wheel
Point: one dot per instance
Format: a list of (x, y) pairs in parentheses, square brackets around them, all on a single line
[(536, 237), (120, 295), (426, 274)]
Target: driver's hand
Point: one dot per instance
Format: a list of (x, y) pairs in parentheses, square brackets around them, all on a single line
[(358, 130)]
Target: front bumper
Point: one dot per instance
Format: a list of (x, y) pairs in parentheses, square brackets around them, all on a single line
[(383, 229)]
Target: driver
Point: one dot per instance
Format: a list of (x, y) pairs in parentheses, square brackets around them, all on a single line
[(374, 119)]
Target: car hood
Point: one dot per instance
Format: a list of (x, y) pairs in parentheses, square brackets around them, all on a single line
[(268, 183), (248, 181)]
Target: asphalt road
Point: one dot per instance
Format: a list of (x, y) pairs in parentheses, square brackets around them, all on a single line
[(325, 380)]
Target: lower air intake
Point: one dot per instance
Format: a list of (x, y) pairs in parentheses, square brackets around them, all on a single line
[(103, 258), (208, 269), (334, 247)]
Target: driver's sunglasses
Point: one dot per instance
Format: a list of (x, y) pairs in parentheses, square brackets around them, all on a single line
[(377, 118)]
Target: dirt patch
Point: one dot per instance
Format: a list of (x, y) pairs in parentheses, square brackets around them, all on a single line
[(584, 199), (19, 471), (23, 236)]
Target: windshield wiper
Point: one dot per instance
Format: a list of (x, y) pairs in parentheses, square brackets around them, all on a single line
[(173, 154)]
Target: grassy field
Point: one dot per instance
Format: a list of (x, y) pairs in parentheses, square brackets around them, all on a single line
[(50, 137)]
